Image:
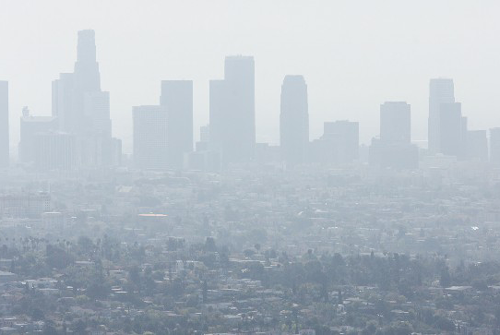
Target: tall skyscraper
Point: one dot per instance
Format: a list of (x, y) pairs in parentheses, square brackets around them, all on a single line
[(394, 148), (62, 103), (4, 124), (294, 120), (87, 75), (441, 91), (232, 110), (451, 129), (83, 109), (150, 125), (177, 98), (395, 122)]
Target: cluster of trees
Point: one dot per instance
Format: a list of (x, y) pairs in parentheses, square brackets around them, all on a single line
[(309, 280)]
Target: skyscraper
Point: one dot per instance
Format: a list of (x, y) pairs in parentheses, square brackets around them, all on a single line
[(150, 137), (83, 109), (87, 75), (232, 110), (4, 123), (395, 122), (62, 102), (294, 120), (394, 148), (177, 98), (441, 91), (450, 129)]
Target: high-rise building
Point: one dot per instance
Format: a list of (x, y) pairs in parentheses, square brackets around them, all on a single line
[(495, 146), (451, 129), (4, 124), (177, 98), (54, 151), (232, 110), (394, 148), (96, 112), (87, 75), (62, 103), (395, 122), (31, 126), (83, 109), (294, 120), (150, 125), (339, 144), (477, 145), (203, 143), (441, 91)]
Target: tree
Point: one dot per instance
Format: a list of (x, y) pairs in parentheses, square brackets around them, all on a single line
[(445, 279)]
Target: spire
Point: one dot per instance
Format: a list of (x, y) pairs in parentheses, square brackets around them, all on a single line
[(87, 76), (86, 51)]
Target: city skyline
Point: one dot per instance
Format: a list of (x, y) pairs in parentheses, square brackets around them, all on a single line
[(81, 112), (335, 80)]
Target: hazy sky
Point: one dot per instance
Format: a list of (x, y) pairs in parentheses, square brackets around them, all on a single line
[(353, 54)]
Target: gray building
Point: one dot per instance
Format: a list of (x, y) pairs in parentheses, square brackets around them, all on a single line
[(232, 110), (32, 126), (441, 91), (294, 120), (394, 148), (83, 109), (477, 145), (339, 144), (177, 98), (451, 131), (55, 151), (395, 122), (150, 124)]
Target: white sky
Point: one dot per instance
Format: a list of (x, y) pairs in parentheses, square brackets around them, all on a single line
[(354, 54)]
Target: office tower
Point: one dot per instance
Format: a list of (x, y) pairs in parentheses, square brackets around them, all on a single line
[(96, 112), (451, 129), (83, 109), (477, 145), (204, 141), (232, 110), (339, 144), (4, 124), (441, 91), (31, 126), (203, 159), (294, 120), (150, 137), (394, 148), (395, 122), (54, 151), (87, 76), (177, 98), (495, 146), (62, 103)]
